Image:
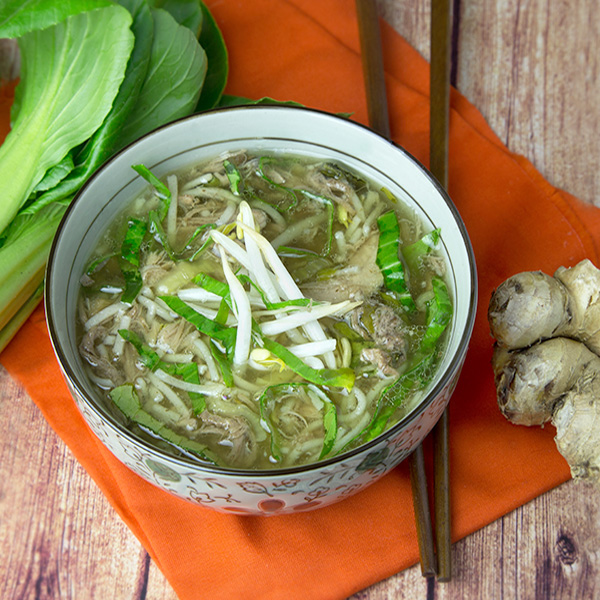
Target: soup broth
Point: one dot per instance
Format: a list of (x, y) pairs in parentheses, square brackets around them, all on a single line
[(262, 312)]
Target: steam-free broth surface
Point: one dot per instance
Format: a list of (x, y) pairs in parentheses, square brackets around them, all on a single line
[(261, 312)]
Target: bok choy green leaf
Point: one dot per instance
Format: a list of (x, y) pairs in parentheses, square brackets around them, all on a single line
[(172, 86), (54, 87), (186, 12), (18, 18), (107, 138), (212, 41)]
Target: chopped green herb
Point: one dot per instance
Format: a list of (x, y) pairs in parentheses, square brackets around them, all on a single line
[(223, 363), (329, 377), (128, 402), (388, 259), (234, 177)]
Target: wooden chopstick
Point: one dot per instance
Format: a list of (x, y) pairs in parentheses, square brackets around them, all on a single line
[(439, 107), (420, 494), (441, 33), (372, 63), (377, 109)]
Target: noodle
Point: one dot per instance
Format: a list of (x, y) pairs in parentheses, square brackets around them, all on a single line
[(276, 315)]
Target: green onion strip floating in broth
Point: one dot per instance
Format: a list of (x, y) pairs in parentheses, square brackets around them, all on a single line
[(263, 354), (389, 261)]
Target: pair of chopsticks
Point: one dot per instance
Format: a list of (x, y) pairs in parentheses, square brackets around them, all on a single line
[(435, 558)]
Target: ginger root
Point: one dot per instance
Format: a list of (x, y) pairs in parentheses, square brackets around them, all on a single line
[(532, 306), (546, 359)]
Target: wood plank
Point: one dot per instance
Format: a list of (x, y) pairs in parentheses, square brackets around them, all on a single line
[(532, 70), (547, 548), (63, 538)]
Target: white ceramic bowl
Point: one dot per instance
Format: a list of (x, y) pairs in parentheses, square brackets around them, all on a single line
[(299, 131)]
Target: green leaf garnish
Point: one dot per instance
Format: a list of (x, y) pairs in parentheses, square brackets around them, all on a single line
[(388, 259), (342, 377)]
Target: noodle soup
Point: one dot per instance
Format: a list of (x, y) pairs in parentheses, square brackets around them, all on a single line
[(263, 311)]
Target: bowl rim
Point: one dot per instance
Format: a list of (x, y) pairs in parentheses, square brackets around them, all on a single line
[(452, 368)]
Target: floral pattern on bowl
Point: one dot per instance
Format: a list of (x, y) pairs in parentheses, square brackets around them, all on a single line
[(317, 487)]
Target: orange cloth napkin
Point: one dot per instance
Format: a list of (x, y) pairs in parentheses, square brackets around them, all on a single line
[(309, 52)]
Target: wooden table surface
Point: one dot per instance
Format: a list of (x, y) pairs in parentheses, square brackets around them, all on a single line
[(532, 67)]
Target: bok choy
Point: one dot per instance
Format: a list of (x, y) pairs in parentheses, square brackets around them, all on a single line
[(95, 76)]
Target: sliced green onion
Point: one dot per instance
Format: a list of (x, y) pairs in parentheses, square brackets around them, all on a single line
[(288, 252), (234, 177), (388, 259), (128, 402), (217, 331), (223, 312), (189, 373), (330, 214), (330, 427), (133, 281), (223, 364), (157, 230), (287, 191), (336, 172), (267, 402), (200, 322), (130, 248), (150, 359), (343, 377), (130, 259), (157, 216), (414, 253), (422, 366), (162, 191), (207, 242), (415, 378), (210, 284), (99, 262)]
